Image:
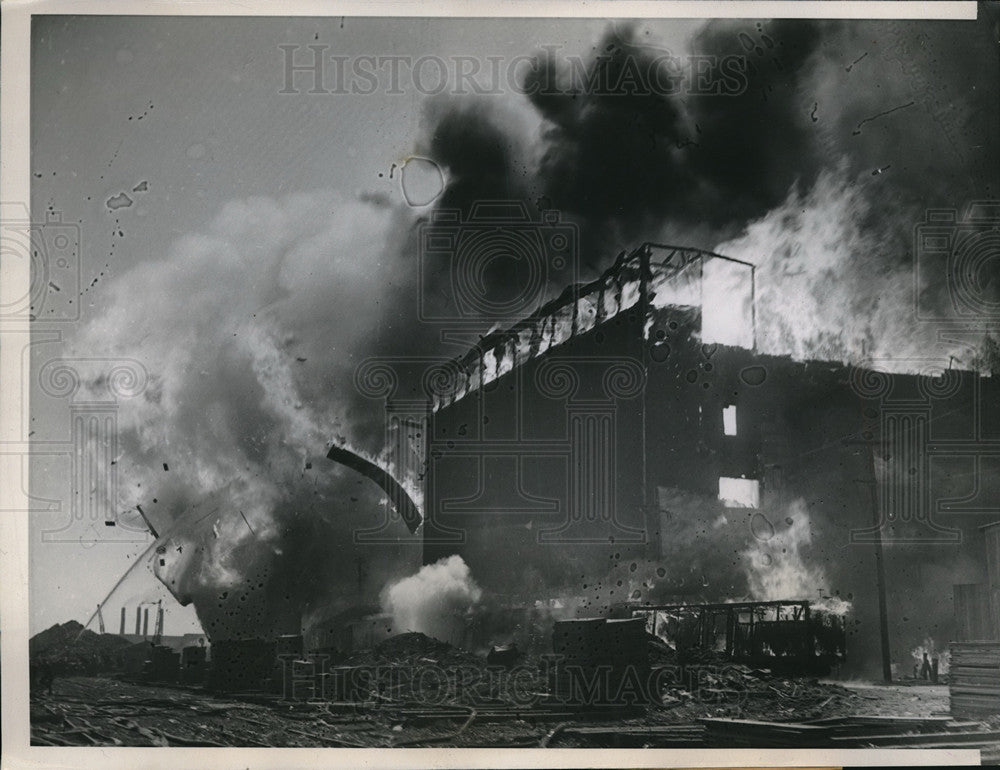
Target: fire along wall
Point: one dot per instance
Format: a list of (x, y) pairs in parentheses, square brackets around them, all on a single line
[(635, 461)]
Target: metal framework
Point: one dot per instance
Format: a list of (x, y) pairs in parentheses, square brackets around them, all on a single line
[(790, 632)]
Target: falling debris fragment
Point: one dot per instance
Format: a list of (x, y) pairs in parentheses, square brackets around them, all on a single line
[(401, 500), (851, 65), (857, 130), (148, 523), (247, 523)]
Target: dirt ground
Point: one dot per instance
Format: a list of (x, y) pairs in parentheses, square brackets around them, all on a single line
[(917, 700)]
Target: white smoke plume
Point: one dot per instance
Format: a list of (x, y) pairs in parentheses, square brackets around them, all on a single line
[(435, 601), (777, 565), (250, 333)]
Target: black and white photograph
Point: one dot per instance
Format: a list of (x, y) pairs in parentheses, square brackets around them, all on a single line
[(526, 381)]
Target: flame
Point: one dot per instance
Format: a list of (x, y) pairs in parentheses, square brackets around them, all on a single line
[(776, 565), (929, 646), (830, 284)]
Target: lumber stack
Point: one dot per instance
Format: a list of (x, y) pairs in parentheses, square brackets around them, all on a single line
[(974, 678)]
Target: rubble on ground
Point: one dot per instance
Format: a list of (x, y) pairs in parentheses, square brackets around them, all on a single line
[(413, 690)]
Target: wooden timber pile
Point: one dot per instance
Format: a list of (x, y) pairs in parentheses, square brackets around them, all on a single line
[(851, 732), (974, 678)]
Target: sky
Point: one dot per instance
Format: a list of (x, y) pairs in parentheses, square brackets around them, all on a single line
[(242, 250)]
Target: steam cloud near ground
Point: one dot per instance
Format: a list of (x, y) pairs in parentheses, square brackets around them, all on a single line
[(435, 601)]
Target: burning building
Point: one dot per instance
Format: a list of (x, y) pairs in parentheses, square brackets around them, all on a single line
[(627, 443)]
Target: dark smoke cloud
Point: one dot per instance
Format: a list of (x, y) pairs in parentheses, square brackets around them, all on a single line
[(480, 147), (633, 160), (635, 154)]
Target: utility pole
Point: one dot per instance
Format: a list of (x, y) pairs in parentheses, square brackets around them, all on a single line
[(871, 481), (883, 606)]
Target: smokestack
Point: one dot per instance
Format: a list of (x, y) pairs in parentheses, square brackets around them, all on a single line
[(159, 620), (138, 620), (121, 630), (145, 623)]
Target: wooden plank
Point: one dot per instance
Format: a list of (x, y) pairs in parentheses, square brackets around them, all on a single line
[(876, 719), (980, 736), (974, 675), (961, 651), (983, 643), (967, 705), (965, 652), (635, 730), (974, 698), (754, 733), (991, 691), (758, 724), (953, 745)]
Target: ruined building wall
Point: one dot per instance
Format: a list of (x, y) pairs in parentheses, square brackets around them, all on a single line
[(628, 506), (538, 475)]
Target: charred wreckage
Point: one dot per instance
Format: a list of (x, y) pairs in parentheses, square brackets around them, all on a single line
[(630, 422)]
